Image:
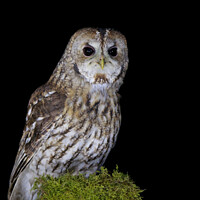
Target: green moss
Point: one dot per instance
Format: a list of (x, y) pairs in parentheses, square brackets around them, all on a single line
[(98, 186)]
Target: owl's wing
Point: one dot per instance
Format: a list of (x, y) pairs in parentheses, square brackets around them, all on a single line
[(45, 107)]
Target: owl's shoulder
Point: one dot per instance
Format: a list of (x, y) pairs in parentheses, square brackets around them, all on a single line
[(48, 98), (44, 92)]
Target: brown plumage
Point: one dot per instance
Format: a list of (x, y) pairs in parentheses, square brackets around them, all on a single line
[(73, 120)]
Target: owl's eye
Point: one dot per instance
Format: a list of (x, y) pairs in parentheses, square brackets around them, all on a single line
[(88, 51), (112, 51)]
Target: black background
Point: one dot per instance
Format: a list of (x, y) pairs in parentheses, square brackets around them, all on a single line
[(33, 40)]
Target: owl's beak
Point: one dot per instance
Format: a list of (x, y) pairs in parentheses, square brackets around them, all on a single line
[(102, 62)]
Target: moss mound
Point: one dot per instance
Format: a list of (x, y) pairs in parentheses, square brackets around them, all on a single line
[(97, 186)]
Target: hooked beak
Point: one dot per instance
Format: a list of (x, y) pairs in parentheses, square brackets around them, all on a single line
[(102, 62)]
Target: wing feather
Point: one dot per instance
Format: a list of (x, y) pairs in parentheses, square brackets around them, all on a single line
[(45, 107)]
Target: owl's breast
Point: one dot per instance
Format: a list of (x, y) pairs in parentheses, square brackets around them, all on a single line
[(81, 140)]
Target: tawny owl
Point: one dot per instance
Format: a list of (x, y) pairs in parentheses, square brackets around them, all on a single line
[(73, 120)]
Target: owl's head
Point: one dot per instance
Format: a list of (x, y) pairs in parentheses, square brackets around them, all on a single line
[(99, 56)]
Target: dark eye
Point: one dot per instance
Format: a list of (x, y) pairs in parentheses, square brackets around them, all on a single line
[(88, 51), (112, 51)]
